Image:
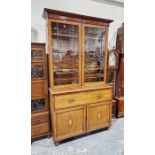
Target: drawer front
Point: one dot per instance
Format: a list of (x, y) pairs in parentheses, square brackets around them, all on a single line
[(38, 89), (37, 55), (38, 71), (39, 118), (98, 116), (38, 130), (70, 122), (68, 100)]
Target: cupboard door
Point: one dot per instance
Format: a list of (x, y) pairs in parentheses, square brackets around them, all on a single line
[(70, 122), (94, 54), (98, 116), (65, 53)]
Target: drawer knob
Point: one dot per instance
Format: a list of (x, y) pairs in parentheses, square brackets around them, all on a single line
[(99, 96), (99, 115), (71, 100), (70, 122)]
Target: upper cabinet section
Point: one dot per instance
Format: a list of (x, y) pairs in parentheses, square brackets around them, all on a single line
[(77, 47), (65, 53)]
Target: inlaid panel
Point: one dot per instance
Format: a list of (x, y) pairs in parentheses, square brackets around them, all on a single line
[(70, 122), (98, 116)]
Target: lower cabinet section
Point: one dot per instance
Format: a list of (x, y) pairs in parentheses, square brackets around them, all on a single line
[(69, 122), (39, 130), (98, 116)]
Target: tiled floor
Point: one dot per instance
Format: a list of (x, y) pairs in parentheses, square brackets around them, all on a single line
[(108, 142)]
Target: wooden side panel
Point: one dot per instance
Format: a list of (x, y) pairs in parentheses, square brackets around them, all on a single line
[(98, 116), (68, 100), (70, 122), (120, 107), (39, 88)]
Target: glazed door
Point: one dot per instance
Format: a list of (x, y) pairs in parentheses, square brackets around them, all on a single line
[(66, 53), (94, 54)]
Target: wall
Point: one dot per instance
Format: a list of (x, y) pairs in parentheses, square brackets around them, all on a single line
[(85, 7)]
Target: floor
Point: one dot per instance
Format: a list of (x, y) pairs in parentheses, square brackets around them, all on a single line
[(107, 142)]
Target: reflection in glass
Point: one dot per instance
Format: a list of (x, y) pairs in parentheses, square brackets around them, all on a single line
[(37, 71), (37, 104), (36, 54), (112, 59), (94, 49), (65, 47)]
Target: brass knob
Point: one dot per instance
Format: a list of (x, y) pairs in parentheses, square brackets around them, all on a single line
[(99, 96), (71, 100)]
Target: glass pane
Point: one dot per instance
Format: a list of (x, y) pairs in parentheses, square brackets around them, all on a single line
[(37, 71), (36, 54), (37, 104), (110, 77), (94, 48), (112, 59), (65, 47)]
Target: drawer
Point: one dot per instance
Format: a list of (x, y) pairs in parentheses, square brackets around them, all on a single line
[(40, 129), (38, 88), (98, 116), (70, 122), (74, 99), (39, 118)]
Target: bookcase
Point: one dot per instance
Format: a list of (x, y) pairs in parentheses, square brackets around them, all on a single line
[(80, 98), (39, 91)]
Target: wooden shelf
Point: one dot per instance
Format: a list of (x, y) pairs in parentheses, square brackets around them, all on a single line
[(64, 35), (64, 51), (94, 38), (65, 79)]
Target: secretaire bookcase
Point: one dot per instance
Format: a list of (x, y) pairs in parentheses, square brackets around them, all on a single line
[(80, 99)]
